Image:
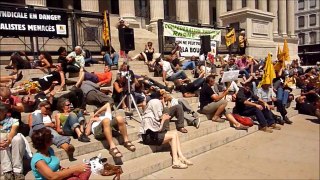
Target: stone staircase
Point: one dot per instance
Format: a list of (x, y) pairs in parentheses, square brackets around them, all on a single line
[(149, 159)]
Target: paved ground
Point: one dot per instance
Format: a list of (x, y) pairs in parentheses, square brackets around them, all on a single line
[(291, 153)]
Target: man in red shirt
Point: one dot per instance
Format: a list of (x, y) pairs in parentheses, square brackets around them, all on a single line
[(102, 79)]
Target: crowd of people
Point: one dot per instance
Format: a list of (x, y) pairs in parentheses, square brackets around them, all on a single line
[(38, 98)]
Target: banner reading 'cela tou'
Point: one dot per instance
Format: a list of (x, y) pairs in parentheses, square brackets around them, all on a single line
[(177, 30)]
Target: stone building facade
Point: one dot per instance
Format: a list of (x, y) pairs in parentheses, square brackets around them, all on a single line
[(267, 22)]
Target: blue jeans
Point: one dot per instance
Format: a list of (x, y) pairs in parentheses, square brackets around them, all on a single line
[(245, 72), (113, 61), (57, 139), (198, 82), (71, 123), (178, 75), (188, 65), (264, 117), (282, 95)]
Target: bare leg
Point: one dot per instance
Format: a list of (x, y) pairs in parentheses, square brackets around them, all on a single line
[(219, 111), (145, 57), (122, 128), (80, 80), (171, 138), (232, 120), (107, 132)]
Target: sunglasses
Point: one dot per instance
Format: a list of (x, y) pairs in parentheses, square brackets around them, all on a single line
[(47, 107), (67, 104)]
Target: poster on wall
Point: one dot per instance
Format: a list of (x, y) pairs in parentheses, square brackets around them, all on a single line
[(191, 47), (33, 22)]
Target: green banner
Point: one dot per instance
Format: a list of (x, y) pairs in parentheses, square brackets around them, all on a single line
[(177, 30)]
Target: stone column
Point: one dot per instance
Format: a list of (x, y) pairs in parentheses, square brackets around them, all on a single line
[(263, 5), (221, 7), (290, 15), (92, 5), (156, 13), (36, 2), (203, 12), (182, 10), (251, 4), (283, 17), (126, 10), (274, 9), (236, 4)]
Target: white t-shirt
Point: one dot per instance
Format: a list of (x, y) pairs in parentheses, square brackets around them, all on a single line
[(95, 124), (45, 119), (167, 68)]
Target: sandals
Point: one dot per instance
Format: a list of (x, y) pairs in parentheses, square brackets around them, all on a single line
[(129, 146), (186, 161), (114, 152), (180, 165)]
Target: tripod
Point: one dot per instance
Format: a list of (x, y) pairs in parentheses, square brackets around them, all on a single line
[(131, 98)]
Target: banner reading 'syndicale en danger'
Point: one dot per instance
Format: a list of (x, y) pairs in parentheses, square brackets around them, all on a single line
[(33, 22)]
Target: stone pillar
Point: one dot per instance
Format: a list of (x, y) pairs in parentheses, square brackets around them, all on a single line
[(126, 10), (274, 9), (221, 7), (263, 5), (251, 4), (36, 2), (156, 13), (92, 5), (290, 15), (182, 10), (283, 18), (203, 9), (236, 4)]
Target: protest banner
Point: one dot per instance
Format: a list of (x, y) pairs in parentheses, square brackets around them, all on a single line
[(191, 47), (229, 76), (190, 32), (33, 22)]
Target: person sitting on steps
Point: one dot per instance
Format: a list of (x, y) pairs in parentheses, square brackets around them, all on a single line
[(101, 125), (152, 132)]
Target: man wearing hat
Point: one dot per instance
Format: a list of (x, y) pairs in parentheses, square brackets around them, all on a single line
[(12, 146)]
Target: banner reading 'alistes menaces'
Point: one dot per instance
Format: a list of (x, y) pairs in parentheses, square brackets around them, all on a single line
[(33, 22)]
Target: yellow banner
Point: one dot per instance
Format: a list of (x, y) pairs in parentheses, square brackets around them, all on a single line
[(230, 37), (105, 29)]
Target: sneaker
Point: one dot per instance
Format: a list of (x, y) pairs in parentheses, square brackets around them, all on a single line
[(83, 138), (18, 176), (274, 126), (8, 176), (266, 129), (286, 120), (8, 67), (196, 123)]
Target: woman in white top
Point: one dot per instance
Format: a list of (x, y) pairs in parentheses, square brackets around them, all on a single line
[(152, 133)]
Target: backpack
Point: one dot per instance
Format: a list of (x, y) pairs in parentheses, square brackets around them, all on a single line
[(246, 121)]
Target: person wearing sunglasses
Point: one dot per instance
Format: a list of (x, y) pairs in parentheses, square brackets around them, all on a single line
[(69, 123), (42, 117)]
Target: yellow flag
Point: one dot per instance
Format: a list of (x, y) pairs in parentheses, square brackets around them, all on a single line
[(285, 51), (105, 29), (269, 73), (280, 62), (230, 37)]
